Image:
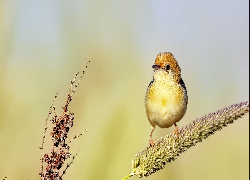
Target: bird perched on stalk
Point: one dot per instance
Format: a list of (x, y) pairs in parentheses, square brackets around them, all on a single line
[(166, 97)]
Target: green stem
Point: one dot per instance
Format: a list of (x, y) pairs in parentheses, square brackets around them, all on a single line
[(129, 175)]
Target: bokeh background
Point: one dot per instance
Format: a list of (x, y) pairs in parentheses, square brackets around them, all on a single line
[(44, 43)]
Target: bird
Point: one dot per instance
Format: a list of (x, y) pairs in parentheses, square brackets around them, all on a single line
[(166, 97)]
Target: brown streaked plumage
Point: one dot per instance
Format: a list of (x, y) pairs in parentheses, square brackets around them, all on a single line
[(166, 98)]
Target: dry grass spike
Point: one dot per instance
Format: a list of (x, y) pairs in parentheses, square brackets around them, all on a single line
[(59, 134)]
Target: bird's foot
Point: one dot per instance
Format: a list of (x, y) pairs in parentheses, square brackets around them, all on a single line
[(175, 133), (152, 142)]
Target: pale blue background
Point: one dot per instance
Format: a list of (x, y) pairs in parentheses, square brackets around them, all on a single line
[(44, 43)]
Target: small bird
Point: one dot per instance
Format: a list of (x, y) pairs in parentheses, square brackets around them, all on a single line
[(166, 97)]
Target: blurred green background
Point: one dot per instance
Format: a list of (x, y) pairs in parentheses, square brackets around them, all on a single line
[(44, 43)]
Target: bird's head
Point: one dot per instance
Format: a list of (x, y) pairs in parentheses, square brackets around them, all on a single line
[(166, 61)]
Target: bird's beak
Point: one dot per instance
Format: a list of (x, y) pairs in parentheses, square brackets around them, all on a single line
[(155, 67)]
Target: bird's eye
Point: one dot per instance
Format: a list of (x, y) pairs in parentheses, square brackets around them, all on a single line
[(167, 67)]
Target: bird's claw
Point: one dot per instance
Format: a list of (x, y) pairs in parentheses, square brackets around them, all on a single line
[(175, 133), (152, 142)]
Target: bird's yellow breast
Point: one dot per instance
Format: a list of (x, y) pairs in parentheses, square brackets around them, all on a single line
[(165, 100)]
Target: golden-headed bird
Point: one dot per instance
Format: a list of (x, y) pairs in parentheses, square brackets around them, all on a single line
[(166, 98)]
